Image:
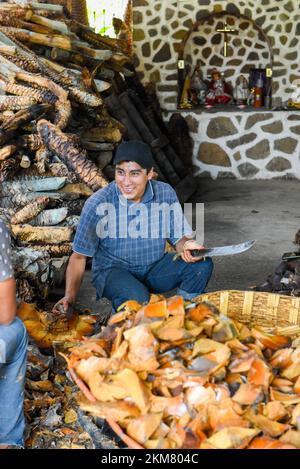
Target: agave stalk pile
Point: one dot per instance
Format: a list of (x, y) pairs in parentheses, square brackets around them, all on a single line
[(168, 376)]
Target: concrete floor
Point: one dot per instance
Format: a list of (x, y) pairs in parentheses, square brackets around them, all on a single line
[(268, 211)]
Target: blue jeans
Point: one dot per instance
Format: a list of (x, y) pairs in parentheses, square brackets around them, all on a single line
[(13, 350), (190, 279)]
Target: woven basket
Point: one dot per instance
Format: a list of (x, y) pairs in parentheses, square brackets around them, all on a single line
[(275, 313)]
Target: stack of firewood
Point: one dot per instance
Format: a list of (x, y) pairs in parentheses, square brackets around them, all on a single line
[(68, 98)]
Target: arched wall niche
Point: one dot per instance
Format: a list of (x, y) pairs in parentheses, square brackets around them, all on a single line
[(248, 47)]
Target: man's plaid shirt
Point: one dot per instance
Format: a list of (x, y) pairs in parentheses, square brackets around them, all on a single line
[(136, 254)]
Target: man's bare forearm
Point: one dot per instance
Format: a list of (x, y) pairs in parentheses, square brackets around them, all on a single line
[(74, 275)]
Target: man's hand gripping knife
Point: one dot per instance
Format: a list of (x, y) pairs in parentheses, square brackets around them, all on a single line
[(186, 255)]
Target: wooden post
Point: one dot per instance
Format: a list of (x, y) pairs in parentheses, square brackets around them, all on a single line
[(149, 119), (116, 110)]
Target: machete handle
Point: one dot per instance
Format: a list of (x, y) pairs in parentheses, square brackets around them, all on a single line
[(198, 252)]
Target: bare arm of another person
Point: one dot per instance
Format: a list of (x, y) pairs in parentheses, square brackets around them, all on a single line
[(8, 301), (74, 275)]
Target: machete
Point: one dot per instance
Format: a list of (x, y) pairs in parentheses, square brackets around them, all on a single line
[(221, 250)]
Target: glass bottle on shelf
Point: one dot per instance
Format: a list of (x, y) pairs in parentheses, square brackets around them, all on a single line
[(259, 93)]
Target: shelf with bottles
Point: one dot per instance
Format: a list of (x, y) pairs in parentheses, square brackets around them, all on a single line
[(254, 91)]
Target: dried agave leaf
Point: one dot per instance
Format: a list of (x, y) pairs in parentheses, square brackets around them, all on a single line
[(274, 342), (274, 410), (171, 330), (292, 371), (196, 396), (91, 365), (268, 443), (201, 311), (24, 290), (231, 438), (44, 328), (283, 397), (6, 214), (26, 93), (9, 167), (143, 427), (118, 410), (42, 158), (248, 394), (75, 159), (83, 97), (260, 374), (297, 385), (225, 330), (170, 406), (15, 103), (61, 170), (41, 234), (203, 346), (243, 362), (33, 142), (18, 200), (222, 415), (63, 113), (24, 116), (142, 348), (55, 250), (36, 184), (268, 426), (78, 188), (106, 391), (295, 420), (50, 217), (72, 221), (135, 388), (7, 151)]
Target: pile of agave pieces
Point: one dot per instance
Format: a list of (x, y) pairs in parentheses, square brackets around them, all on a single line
[(167, 375), (53, 418)]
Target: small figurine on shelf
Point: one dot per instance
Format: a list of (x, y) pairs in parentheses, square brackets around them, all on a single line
[(294, 100), (198, 87), (241, 91), (259, 93), (250, 100), (219, 92), (185, 98)]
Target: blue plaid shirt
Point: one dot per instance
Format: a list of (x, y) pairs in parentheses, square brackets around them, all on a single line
[(117, 232)]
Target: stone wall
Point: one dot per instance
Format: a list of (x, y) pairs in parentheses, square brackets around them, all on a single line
[(245, 145), (237, 144), (161, 25), (247, 47)]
